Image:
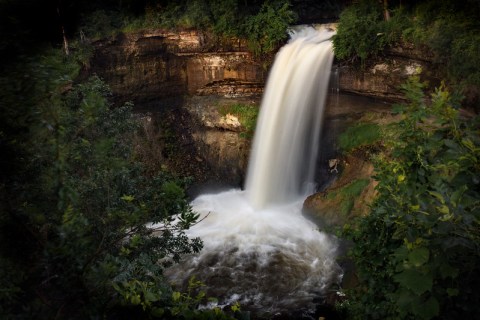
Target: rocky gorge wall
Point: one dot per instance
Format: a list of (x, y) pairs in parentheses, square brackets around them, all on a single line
[(160, 71), (382, 78), (148, 66)]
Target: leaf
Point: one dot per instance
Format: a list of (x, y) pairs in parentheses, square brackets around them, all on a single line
[(451, 144), (448, 271), (135, 299), (127, 198), (428, 309), (443, 209), (235, 307), (150, 296), (415, 281), (157, 312), (469, 144), (452, 292), (438, 196), (176, 296), (404, 298), (418, 256), (457, 195)]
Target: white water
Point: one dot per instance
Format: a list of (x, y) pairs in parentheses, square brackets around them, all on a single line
[(258, 247), (282, 163)]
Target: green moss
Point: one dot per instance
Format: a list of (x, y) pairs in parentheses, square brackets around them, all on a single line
[(247, 115), (346, 206), (348, 194), (360, 135), (354, 188)]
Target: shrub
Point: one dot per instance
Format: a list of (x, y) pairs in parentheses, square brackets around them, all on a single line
[(77, 203), (417, 251), (267, 29), (359, 33)]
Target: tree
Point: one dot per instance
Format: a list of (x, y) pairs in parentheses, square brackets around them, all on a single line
[(76, 240), (417, 251)]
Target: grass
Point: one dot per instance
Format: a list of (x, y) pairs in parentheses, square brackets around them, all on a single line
[(247, 116), (354, 188), (348, 194), (360, 135)]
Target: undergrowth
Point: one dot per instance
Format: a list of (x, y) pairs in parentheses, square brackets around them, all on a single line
[(360, 135)]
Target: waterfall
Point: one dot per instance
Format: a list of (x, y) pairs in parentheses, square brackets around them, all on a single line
[(259, 249), (282, 162)]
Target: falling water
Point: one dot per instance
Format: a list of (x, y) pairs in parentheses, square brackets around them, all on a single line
[(259, 249), (282, 164)]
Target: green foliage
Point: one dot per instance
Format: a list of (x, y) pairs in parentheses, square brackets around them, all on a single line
[(267, 29), (360, 30), (417, 251), (455, 43), (185, 305), (247, 115), (101, 23), (363, 33), (448, 28), (360, 135), (226, 16), (76, 239), (452, 38)]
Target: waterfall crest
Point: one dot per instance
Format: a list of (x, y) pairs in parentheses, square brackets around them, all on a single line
[(282, 162)]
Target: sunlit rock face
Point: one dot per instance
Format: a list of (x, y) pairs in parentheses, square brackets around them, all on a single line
[(151, 65)]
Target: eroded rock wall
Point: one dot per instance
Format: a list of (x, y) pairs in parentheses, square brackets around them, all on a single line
[(148, 66), (382, 78)]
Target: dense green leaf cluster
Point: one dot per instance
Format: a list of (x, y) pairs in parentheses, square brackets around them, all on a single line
[(417, 252), (364, 33), (451, 30)]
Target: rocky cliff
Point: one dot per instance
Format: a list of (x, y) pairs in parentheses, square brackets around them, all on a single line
[(165, 74), (381, 78), (148, 66)]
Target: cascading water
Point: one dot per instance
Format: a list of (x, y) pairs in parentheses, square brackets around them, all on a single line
[(282, 164), (259, 249)]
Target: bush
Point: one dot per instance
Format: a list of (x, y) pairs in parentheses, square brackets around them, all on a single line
[(359, 33), (76, 204), (266, 30), (417, 251), (448, 28)]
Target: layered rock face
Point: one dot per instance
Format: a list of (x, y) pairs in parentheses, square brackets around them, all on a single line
[(160, 71), (382, 79), (151, 65)]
